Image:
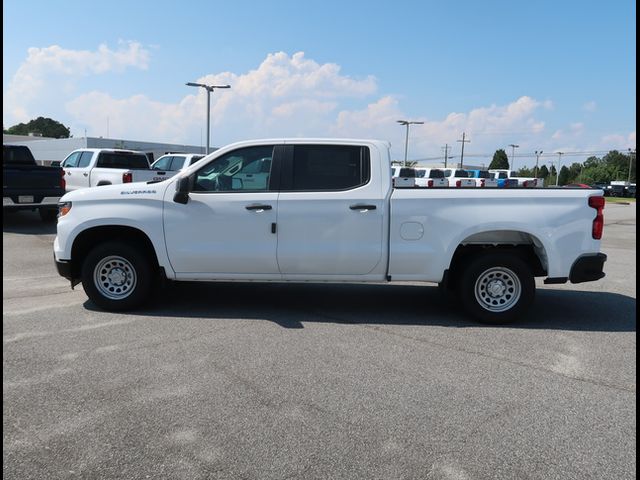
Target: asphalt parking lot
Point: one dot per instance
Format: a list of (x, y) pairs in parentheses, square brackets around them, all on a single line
[(271, 381)]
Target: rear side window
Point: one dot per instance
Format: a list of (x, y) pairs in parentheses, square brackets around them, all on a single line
[(178, 163), (330, 167), (194, 159), (122, 160), (85, 159)]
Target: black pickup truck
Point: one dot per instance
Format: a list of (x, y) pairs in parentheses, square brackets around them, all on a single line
[(29, 186)]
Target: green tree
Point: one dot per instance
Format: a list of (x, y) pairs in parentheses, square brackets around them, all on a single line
[(543, 172), (46, 127), (500, 160), (563, 178)]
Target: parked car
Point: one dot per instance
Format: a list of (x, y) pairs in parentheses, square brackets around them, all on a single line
[(91, 167), (503, 180), (29, 186), (483, 178), (430, 177), (331, 214), (165, 167), (526, 182), (458, 178)]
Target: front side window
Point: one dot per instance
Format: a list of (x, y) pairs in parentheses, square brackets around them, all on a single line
[(72, 160), (245, 169), (330, 167), (163, 163)]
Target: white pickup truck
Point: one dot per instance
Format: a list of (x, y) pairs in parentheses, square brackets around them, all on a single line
[(458, 178), (325, 211), (527, 182), (95, 167), (164, 167)]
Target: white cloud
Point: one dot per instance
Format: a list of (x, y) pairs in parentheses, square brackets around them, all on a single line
[(286, 95), (590, 106), (53, 70)]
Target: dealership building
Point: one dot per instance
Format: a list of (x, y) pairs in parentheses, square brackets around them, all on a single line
[(47, 150)]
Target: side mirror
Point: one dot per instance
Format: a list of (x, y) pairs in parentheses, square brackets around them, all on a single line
[(182, 190)]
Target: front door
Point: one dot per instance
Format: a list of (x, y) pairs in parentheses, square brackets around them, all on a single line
[(76, 170), (227, 228)]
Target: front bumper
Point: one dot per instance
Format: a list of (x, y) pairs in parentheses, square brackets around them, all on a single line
[(588, 268), (64, 269)]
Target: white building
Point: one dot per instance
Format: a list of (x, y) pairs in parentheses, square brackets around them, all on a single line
[(47, 150)]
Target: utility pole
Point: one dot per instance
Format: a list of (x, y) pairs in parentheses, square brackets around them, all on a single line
[(558, 171), (513, 155), (462, 153), (406, 138), (446, 154)]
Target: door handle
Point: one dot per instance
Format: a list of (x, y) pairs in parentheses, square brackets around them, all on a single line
[(258, 208), (85, 174), (362, 207)]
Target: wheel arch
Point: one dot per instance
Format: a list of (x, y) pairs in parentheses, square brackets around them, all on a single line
[(522, 244), (88, 239)]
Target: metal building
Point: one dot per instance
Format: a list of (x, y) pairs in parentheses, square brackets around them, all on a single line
[(47, 150)]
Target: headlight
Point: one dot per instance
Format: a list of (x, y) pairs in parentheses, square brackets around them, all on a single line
[(64, 208)]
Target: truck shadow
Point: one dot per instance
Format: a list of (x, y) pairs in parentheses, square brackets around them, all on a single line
[(26, 222), (291, 305)]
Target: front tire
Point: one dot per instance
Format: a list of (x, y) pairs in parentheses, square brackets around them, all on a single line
[(117, 276), (497, 288)]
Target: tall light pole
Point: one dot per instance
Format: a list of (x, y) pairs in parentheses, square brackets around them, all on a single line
[(630, 158), (513, 154), (558, 171), (538, 153), (406, 138), (209, 89)]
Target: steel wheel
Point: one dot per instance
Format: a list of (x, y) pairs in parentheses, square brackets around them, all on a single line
[(115, 277), (497, 289)]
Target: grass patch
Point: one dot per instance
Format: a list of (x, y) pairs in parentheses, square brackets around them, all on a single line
[(619, 200)]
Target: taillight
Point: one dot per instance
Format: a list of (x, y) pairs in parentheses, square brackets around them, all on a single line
[(63, 184), (598, 222), (127, 177), (482, 182), (458, 183), (430, 183)]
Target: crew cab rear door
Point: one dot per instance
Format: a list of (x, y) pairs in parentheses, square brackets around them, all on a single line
[(330, 213)]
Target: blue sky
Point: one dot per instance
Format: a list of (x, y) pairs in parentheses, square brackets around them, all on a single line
[(558, 76)]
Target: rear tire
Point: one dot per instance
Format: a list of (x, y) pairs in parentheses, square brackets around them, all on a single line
[(117, 276), (497, 288)]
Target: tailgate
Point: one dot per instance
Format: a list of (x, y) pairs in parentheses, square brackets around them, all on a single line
[(31, 178)]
